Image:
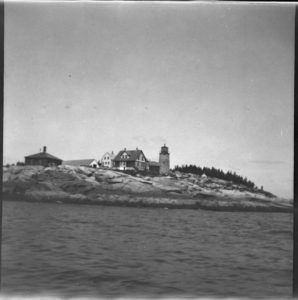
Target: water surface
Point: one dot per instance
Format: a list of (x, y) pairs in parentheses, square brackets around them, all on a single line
[(85, 250)]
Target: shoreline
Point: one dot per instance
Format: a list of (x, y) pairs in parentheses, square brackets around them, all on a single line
[(142, 202)]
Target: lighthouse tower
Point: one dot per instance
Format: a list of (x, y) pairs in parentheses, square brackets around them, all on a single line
[(164, 160)]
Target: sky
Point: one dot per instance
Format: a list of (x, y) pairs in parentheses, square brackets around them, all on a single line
[(215, 82)]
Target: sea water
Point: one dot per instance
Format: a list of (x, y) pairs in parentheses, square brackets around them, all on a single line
[(85, 250)]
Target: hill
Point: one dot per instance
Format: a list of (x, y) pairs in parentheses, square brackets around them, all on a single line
[(82, 185)]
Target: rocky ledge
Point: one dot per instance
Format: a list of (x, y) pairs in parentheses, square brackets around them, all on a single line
[(82, 185)]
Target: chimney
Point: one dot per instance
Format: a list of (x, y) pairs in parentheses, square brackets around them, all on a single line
[(124, 149), (137, 149), (44, 149)]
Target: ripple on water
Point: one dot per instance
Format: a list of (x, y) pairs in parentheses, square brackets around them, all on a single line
[(73, 250)]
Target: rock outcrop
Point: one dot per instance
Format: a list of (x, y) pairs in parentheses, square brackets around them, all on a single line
[(67, 184)]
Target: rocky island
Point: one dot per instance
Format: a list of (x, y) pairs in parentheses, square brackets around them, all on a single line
[(83, 185)]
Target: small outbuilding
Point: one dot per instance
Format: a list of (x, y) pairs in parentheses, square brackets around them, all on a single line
[(42, 159), (154, 168)]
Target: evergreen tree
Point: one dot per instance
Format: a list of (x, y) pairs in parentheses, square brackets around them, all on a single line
[(216, 173)]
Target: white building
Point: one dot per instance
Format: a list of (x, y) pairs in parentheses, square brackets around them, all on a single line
[(107, 159)]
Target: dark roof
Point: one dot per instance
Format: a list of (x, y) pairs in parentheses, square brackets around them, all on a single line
[(154, 164), (43, 155), (79, 162), (133, 155)]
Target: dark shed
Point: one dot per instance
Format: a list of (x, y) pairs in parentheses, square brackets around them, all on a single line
[(154, 168), (42, 159)]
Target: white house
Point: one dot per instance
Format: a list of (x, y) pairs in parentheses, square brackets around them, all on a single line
[(107, 159)]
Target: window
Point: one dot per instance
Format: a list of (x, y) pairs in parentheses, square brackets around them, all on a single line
[(124, 156)]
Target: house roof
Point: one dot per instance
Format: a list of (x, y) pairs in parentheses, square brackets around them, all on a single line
[(43, 155), (133, 155), (154, 164), (111, 155), (79, 162)]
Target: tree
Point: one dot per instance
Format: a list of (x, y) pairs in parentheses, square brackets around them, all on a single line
[(216, 173)]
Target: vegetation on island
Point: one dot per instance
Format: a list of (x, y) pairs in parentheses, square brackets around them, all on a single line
[(215, 173)]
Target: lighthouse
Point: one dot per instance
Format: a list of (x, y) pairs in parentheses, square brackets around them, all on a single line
[(164, 160)]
